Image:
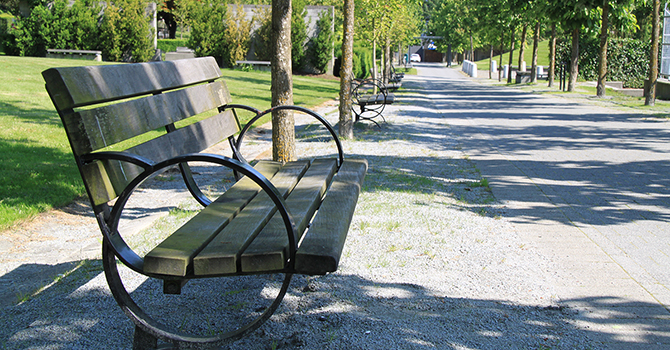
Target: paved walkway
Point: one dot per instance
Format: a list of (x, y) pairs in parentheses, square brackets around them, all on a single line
[(587, 185)]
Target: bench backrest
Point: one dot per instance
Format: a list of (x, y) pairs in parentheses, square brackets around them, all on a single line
[(134, 108)]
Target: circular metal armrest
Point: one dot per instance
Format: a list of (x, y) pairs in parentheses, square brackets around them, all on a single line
[(131, 259), (317, 116)]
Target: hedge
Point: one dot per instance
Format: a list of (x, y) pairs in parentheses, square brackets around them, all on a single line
[(627, 59)]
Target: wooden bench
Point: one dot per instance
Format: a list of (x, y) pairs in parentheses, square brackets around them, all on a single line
[(257, 65), (93, 55), (180, 53), (265, 223), (369, 99)]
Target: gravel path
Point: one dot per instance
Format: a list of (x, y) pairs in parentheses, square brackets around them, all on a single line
[(430, 262)]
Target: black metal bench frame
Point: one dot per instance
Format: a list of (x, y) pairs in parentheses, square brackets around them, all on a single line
[(369, 100), (160, 84)]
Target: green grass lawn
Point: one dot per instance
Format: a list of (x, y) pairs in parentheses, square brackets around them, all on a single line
[(542, 56), (39, 172)]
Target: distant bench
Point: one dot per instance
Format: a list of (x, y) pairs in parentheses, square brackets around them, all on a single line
[(180, 54), (257, 65), (370, 97), (93, 55), (524, 77)]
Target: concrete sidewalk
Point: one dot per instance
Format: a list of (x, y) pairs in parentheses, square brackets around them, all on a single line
[(588, 186)]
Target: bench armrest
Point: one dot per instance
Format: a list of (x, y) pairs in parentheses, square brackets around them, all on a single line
[(110, 224), (317, 116)]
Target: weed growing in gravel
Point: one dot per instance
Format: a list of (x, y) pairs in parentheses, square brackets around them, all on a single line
[(147, 239), (82, 271), (392, 225)]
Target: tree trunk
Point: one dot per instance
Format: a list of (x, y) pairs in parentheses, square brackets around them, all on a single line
[(374, 53), (552, 56), (574, 60), (650, 96), (511, 59), (502, 48), (346, 129), (387, 60), (536, 44), (283, 124), (472, 49), (491, 61), (374, 64), (522, 47), (602, 59)]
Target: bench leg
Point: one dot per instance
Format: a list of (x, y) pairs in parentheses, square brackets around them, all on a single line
[(147, 329), (143, 340)]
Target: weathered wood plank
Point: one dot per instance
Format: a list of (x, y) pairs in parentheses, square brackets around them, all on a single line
[(321, 248), (189, 139), (71, 87), (269, 249), (100, 126), (221, 254), (173, 256)]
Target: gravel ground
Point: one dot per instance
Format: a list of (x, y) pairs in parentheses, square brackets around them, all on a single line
[(430, 262)]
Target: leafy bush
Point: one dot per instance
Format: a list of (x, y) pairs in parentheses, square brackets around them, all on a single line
[(322, 44), (57, 27), (362, 62), (5, 25), (263, 35), (237, 36), (298, 34), (125, 32), (208, 28), (627, 59)]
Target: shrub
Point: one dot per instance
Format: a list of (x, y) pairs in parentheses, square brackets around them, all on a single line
[(627, 59), (5, 25), (263, 35), (362, 62), (125, 32), (237, 36), (208, 29), (110, 37), (298, 34), (322, 44), (44, 29)]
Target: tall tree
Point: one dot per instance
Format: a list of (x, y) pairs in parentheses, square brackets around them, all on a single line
[(166, 12), (346, 129), (283, 124), (602, 57), (536, 45), (650, 96), (552, 56), (522, 45), (511, 56), (573, 15)]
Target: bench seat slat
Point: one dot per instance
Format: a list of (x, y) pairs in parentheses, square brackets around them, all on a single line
[(220, 256), (321, 248), (268, 251), (101, 125), (174, 254), (377, 99)]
